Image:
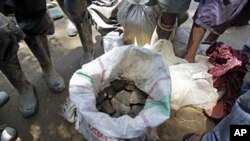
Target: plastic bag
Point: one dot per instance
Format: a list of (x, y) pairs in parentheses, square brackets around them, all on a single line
[(191, 82), (111, 40), (138, 21), (192, 85), (180, 42), (150, 74), (165, 48)]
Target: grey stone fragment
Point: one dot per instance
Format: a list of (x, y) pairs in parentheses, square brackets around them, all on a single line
[(129, 88), (110, 92), (101, 96), (104, 86), (116, 104), (120, 107), (99, 108), (107, 107), (129, 82), (136, 109), (116, 115), (137, 97), (125, 110), (118, 85), (123, 96)]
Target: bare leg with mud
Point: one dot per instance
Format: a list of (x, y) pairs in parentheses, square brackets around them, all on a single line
[(168, 20), (40, 48), (166, 25), (196, 35), (76, 10), (10, 66)]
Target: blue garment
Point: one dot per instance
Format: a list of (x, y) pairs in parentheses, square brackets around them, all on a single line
[(247, 43), (240, 115), (217, 15), (244, 87)]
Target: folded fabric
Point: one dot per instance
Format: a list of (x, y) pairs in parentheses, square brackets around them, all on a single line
[(229, 70)]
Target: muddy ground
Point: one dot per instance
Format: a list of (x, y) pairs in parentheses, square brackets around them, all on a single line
[(66, 52)]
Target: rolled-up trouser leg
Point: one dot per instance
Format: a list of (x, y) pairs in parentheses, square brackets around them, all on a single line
[(10, 66)]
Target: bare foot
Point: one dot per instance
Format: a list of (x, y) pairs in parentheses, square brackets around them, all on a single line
[(189, 59)]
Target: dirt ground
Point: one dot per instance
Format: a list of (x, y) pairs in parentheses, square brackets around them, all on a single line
[(66, 52)]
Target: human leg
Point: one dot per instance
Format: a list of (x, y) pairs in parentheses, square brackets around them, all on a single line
[(36, 23), (77, 12), (212, 15), (10, 66), (40, 48), (166, 25), (196, 35), (171, 11)]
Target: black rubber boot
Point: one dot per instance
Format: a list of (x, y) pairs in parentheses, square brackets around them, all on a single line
[(10, 66), (40, 48)]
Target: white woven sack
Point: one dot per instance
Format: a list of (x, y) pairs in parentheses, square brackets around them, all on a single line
[(150, 74)]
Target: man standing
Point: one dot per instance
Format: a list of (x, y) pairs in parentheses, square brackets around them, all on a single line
[(35, 25)]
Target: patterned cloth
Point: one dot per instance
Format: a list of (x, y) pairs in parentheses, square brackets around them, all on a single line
[(229, 69)]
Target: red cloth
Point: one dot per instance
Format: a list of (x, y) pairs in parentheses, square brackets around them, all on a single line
[(229, 70)]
